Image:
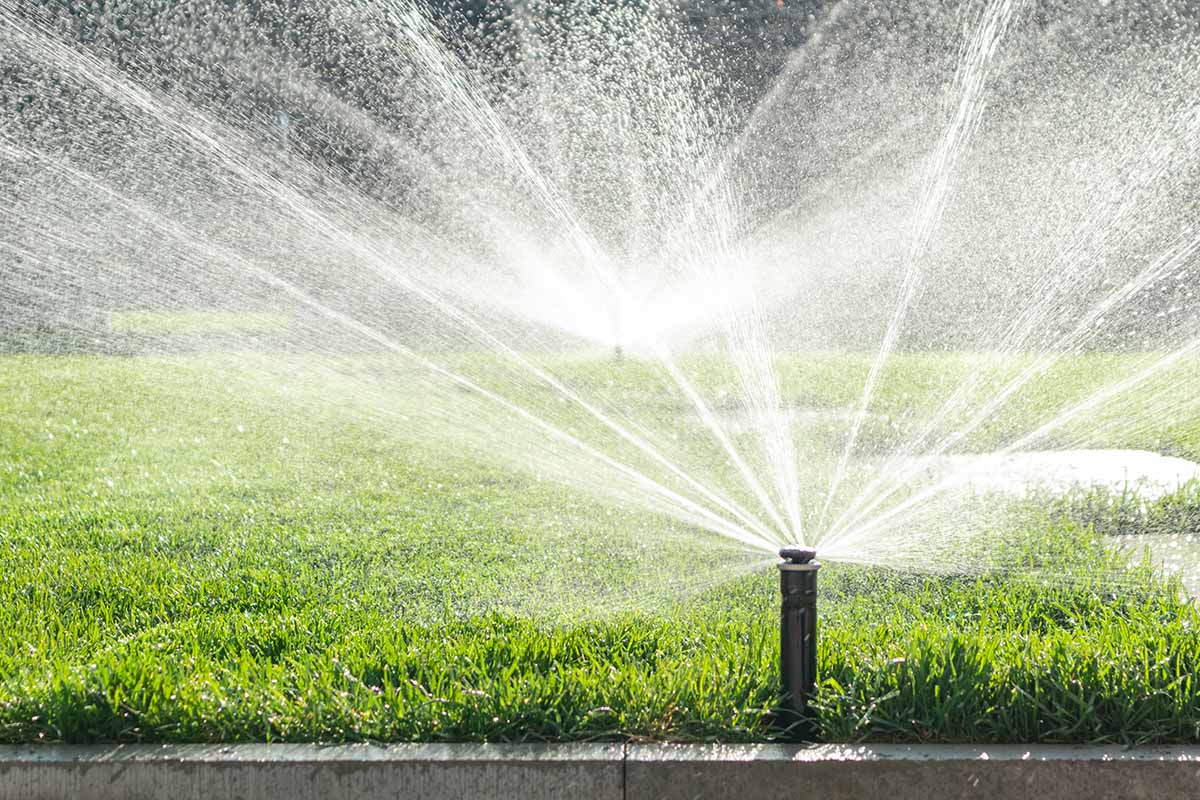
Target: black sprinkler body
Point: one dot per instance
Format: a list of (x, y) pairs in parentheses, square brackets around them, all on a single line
[(798, 630)]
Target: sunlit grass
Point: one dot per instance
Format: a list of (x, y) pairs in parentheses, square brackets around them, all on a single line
[(192, 322), (183, 562)]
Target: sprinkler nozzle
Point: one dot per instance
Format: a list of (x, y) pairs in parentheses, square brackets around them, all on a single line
[(797, 554)]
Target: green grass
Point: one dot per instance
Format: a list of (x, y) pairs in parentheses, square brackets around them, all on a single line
[(182, 561), (194, 322)]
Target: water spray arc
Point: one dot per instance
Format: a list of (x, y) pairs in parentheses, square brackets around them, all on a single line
[(455, 283), (797, 629)]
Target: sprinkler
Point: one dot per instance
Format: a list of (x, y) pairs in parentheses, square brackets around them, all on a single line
[(798, 629)]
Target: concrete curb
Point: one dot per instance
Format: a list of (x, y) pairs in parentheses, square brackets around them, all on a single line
[(901, 772), (594, 772), (308, 772)]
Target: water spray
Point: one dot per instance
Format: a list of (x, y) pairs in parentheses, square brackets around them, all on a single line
[(798, 630)]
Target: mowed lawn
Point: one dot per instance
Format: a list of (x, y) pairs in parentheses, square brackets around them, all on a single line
[(181, 560)]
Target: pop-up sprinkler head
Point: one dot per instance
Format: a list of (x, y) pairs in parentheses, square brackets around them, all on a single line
[(797, 554), (798, 630)]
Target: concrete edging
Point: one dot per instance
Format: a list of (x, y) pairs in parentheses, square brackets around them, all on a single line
[(594, 771), (902, 772)]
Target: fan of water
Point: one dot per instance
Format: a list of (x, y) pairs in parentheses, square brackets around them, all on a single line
[(801, 296)]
